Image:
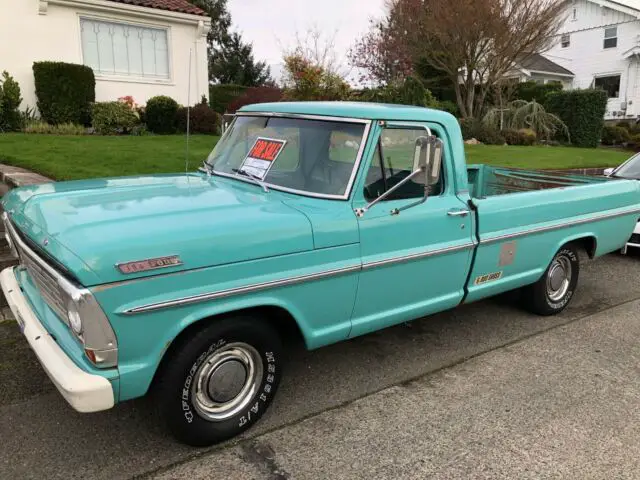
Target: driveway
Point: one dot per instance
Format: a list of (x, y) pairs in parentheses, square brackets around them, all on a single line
[(484, 390)]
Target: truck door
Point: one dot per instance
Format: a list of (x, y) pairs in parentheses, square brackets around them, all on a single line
[(416, 262)]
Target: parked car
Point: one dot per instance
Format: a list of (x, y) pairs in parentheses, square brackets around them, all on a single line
[(325, 220), (629, 170)]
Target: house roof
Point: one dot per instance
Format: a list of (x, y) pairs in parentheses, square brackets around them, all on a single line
[(180, 6), (539, 64), (634, 4)]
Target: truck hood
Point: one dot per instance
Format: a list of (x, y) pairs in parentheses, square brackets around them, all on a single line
[(90, 226)]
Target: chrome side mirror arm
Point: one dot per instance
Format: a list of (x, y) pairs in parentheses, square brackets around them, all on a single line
[(361, 211)]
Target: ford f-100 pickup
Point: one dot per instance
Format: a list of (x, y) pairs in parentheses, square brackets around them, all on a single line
[(328, 220)]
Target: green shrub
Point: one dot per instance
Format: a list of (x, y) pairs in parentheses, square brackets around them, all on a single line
[(113, 118), (10, 100), (635, 141), (527, 136), (41, 127), (634, 129), (524, 136), (203, 119), (160, 114), (530, 91), (65, 92), (221, 95), (472, 128), (614, 135), (583, 113), (490, 136), (511, 136), (449, 106), (624, 124)]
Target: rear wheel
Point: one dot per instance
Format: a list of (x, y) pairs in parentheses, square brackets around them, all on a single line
[(220, 381), (554, 290)]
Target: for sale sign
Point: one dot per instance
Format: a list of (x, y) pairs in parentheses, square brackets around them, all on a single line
[(262, 156)]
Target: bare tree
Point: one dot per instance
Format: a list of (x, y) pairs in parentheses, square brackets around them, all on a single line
[(474, 42)]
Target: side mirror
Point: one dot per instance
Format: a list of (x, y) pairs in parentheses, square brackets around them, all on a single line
[(608, 171), (427, 160)]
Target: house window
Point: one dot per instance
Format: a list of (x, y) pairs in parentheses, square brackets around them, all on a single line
[(124, 49), (610, 84), (565, 40), (611, 37)]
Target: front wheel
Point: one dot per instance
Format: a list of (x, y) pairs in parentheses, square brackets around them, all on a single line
[(220, 381), (553, 291)]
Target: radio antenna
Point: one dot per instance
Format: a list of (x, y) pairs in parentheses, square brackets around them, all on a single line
[(186, 162)]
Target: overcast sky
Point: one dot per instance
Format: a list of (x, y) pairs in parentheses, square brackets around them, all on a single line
[(271, 25)]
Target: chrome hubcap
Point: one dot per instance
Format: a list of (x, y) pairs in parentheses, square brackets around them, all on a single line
[(226, 381), (559, 278)]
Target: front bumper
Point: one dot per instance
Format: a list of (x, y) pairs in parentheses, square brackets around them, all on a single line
[(84, 391)]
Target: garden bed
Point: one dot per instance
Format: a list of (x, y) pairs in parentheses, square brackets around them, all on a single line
[(76, 157)]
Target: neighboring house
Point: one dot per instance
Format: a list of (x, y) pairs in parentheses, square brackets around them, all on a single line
[(135, 47), (600, 43), (536, 68)]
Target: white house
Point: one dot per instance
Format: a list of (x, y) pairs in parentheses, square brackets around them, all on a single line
[(135, 47), (599, 43)]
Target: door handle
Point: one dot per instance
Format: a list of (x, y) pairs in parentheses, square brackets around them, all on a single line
[(458, 213)]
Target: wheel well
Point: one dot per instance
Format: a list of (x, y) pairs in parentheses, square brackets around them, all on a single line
[(279, 318), (588, 244)]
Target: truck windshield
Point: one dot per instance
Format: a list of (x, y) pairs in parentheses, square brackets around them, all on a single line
[(306, 156), (630, 169)]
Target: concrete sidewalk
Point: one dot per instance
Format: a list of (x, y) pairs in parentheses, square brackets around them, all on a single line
[(561, 404)]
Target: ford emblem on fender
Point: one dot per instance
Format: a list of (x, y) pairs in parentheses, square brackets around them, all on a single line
[(149, 264)]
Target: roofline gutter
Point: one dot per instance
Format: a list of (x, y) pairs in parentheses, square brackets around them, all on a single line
[(122, 8), (542, 72), (612, 4)]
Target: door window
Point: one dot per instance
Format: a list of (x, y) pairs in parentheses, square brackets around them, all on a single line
[(392, 162)]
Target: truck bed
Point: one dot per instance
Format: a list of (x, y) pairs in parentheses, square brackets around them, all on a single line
[(487, 181)]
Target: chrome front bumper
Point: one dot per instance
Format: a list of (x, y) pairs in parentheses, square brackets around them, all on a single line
[(84, 391)]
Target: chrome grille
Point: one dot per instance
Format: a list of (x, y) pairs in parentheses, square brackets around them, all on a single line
[(46, 284)]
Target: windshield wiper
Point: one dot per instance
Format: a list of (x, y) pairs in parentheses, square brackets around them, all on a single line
[(208, 169), (251, 176)]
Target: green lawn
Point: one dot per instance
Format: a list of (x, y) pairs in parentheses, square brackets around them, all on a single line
[(70, 158), (66, 158), (541, 157)]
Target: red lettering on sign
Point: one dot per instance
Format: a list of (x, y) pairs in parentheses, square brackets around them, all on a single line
[(267, 150)]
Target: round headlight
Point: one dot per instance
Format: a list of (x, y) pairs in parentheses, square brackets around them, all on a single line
[(74, 318)]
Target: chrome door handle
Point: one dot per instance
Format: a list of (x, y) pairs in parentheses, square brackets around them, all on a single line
[(458, 213)]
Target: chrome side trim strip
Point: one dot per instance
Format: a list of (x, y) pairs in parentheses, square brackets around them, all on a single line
[(559, 226), (205, 297), (416, 256)]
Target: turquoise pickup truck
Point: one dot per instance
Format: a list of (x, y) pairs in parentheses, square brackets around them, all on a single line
[(322, 220)]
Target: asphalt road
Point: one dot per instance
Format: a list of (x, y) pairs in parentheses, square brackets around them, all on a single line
[(43, 438)]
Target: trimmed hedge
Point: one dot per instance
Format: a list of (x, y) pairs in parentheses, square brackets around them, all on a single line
[(203, 119), (220, 96), (113, 118), (583, 113), (160, 114), (65, 92), (255, 95)]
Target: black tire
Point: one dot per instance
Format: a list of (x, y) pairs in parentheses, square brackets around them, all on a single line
[(180, 374), (539, 298)]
